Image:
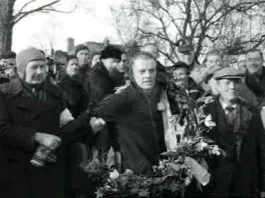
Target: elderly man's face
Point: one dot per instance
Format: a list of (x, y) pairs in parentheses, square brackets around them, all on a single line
[(254, 62), (181, 77), (144, 73), (36, 72), (110, 63), (228, 88), (83, 57)]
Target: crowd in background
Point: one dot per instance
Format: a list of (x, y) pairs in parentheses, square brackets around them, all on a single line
[(109, 106)]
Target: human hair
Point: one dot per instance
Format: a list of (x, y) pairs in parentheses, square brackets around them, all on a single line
[(140, 55), (256, 50)]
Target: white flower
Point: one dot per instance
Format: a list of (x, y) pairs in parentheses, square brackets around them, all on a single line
[(208, 121), (200, 145), (216, 150), (114, 174), (161, 106)]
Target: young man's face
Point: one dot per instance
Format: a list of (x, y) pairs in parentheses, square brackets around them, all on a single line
[(254, 62), (83, 57), (123, 64), (144, 73), (228, 88), (36, 72)]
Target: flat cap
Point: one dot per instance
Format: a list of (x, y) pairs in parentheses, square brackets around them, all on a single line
[(210, 73), (228, 73)]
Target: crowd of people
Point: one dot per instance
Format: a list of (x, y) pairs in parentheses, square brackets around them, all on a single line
[(59, 113)]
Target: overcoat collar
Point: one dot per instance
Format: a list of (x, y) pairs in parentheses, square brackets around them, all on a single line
[(15, 87)]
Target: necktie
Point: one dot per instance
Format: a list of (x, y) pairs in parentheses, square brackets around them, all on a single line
[(230, 115)]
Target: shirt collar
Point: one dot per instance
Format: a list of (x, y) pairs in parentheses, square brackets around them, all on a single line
[(224, 105)]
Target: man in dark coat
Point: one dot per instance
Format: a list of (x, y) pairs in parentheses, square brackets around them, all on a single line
[(255, 78), (240, 133), (76, 97), (35, 126), (134, 111), (100, 81)]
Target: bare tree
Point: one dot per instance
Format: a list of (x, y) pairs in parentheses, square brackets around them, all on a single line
[(205, 23), (10, 17)]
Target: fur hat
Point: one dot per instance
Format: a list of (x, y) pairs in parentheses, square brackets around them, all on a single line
[(111, 52)]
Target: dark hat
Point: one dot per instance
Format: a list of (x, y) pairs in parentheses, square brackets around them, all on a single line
[(180, 64), (7, 55), (111, 52), (228, 73), (80, 47), (210, 72)]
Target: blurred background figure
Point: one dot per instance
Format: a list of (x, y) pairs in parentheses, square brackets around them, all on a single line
[(76, 97), (95, 58), (242, 62), (118, 73), (60, 61), (8, 66), (212, 58)]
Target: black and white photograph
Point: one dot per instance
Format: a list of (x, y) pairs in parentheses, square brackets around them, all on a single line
[(132, 98)]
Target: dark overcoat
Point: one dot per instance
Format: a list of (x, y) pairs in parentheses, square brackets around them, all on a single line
[(101, 84), (77, 99), (237, 173), (20, 118), (139, 127)]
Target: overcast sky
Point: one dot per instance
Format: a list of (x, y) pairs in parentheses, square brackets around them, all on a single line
[(89, 23)]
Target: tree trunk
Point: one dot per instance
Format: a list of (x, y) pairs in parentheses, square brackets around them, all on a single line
[(6, 24)]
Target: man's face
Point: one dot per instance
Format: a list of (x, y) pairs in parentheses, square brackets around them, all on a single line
[(110, 63), (83, 57), (181, 77), (213, 60), (228, 88), (72, 68), (254, 62), (123, 64), (95, 59), (36, 72), (144, 73), (152, 49)]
